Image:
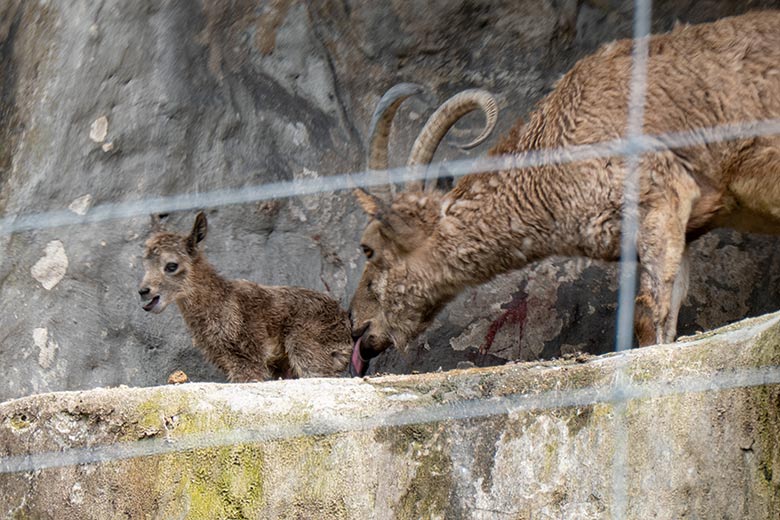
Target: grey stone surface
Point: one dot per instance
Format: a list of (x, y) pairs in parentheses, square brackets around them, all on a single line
[(122, 100), (693, 431)]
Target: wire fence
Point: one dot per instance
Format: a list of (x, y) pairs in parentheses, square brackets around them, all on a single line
[(623, 389)]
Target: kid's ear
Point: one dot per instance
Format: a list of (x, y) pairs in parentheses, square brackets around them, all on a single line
[(198, 232), (157, 221)]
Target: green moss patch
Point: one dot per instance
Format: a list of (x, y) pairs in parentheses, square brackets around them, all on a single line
[(209, 483)]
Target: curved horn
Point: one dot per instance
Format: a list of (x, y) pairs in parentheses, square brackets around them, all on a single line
[(447, 115), (379, 130)]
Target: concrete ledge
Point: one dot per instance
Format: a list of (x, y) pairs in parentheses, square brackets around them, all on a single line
[(690, 430)]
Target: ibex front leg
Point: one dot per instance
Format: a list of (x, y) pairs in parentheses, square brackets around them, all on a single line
[(679, 293), (662, 254)]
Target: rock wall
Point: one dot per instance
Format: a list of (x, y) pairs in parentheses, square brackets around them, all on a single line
[(123, 100), (692, 431)]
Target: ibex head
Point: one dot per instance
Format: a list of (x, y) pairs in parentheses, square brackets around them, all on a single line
[(168, 260), (402, 289)]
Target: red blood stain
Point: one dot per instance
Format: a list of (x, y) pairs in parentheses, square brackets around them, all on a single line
[(515, 314)]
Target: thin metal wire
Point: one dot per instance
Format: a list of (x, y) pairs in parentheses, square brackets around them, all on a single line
[(370, 178), (628, 252)]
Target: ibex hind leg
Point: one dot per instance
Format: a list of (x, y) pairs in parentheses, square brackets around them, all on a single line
[(242, 371), (309, 358)]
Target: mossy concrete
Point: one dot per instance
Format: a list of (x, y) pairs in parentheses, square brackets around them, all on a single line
[(701, 419)]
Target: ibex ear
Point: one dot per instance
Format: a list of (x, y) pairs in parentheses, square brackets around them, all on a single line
[(374, 206), (371, 204), (395, 227), (156, 220), (405, 235), (198, 233)]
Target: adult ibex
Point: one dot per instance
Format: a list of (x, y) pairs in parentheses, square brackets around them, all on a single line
[(425, 247)]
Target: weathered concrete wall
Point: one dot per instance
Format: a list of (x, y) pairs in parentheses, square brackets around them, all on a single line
[(201, 95), (698, 423)]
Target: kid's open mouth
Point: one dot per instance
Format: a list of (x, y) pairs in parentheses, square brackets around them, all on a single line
[(154, 301)]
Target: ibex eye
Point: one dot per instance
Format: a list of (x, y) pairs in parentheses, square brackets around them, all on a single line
[(171, 267), (367, 251)]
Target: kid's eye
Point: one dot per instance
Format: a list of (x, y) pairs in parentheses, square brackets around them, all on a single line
[(367, 251), (171, 267)]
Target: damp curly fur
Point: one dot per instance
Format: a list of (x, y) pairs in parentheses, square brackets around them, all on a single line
[(424, 247)]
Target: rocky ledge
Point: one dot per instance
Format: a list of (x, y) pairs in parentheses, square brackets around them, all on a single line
[(689, 430)]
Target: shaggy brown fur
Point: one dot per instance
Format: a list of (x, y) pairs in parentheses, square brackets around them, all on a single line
[(252, 332), (424, 248)]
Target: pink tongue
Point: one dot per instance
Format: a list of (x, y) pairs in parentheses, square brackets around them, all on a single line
[(357, 362)]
